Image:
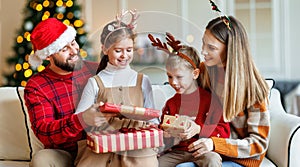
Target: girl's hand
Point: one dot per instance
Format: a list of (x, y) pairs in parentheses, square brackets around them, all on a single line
[(201, 146), (191, 131), (93, 117)]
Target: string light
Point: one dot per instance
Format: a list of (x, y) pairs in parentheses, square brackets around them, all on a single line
[(70, 15), (59, 3), (80, 31), (46, 3), (26, 34), (67, 22), (83, 53), (69, 3), (78, 23), (18, 67), (28, 37), (19, 39), (47, 13), (60, 16), (33, 5), (26, 65), (23, 83), (40, 68), (44, 17), (39, 7), (28, 73), (26, 57)]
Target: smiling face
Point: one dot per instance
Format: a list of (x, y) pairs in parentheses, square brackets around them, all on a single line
[(67, 59), (213, 50), (182, 79), (121, 53)]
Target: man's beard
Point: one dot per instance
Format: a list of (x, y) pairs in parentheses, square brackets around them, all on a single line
[(66, 66)]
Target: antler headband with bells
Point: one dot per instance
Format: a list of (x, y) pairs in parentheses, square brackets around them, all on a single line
[(119, 19), (175, 45)]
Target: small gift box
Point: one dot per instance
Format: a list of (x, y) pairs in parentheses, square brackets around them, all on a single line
[(124, 139), (175, 124), (131, 112)]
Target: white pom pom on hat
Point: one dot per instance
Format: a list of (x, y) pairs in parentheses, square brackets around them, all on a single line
[(47, 38)]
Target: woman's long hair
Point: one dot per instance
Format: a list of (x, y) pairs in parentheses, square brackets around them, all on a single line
[(243, 85)]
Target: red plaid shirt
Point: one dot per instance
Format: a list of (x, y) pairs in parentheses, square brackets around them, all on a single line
[(51, 100)]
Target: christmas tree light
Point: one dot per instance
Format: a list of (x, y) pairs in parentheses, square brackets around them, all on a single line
[(68, 11)]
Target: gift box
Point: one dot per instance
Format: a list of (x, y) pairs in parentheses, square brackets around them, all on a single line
[(175, 124), (131, 112), (123, 140)]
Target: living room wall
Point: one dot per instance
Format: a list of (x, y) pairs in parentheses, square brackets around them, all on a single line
[(195, 13)]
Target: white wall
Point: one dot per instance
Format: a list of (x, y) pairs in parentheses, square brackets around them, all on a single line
[(10, 21), (293, 48), (194, 13)]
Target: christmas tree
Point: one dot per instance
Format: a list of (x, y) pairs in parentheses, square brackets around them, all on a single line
[(68, 11)]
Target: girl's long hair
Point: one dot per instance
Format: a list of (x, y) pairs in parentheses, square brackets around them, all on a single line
[(243, 86)]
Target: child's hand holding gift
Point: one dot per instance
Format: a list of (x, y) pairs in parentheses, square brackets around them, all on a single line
[(191, 131)]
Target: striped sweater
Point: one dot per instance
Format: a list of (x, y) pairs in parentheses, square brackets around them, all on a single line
[(249, 137), (249, 131)]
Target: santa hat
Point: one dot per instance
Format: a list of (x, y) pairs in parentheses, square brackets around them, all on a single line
[(47, 38)]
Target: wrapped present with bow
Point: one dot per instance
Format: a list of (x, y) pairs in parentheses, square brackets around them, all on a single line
[(124, 139), (175, 124), (131, 112)]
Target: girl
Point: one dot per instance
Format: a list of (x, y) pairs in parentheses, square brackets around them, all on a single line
[(232, 75), (192, 101), (117, 83)]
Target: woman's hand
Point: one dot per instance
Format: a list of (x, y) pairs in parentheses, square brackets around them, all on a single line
[(93, 117), (191, 131), (201, 146)]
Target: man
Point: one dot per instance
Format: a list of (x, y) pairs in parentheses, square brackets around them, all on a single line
[(52, 95)]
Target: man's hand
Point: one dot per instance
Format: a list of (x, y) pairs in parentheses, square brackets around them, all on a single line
[(93, 117)]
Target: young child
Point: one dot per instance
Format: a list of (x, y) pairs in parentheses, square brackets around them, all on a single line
[(117, 83), (193, 101)]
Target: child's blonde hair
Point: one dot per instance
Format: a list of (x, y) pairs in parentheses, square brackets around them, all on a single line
[(175, 61)]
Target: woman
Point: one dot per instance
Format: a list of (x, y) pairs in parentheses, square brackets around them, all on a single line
[(230, 72)]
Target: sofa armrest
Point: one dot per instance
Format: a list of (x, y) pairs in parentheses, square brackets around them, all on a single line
[(285, 134)]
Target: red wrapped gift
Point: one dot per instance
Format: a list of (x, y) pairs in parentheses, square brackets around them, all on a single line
[(132, 112), (114, 141)]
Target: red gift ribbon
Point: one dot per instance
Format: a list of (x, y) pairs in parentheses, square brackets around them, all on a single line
[(127, 130)]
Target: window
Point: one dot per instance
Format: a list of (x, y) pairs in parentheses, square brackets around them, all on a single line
[(258, 17)]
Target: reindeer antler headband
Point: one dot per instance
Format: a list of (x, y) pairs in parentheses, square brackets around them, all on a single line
[(119, 19), (225, 19), (175, 45)]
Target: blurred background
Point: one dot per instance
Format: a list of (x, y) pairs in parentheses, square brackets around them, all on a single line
[(272, 27)]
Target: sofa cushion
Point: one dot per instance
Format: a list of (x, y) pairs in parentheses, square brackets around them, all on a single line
[(17, 141), (13, 131), (14, 164), (35, 144)]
